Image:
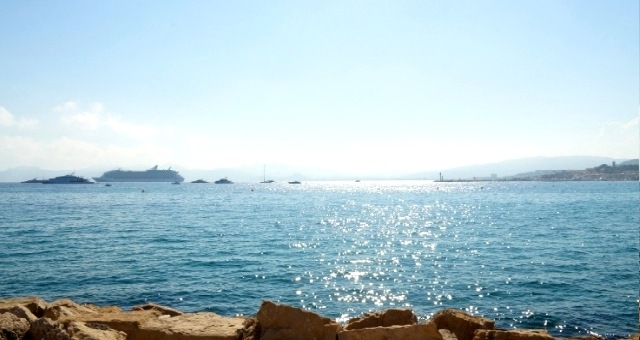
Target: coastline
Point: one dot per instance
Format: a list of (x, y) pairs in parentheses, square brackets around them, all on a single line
[(34, 318)]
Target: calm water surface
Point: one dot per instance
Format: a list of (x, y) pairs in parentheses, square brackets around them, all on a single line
[(560, 256)]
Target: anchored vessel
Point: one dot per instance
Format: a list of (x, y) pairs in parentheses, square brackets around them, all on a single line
[(223, 181), (67, 179), (151, 175)]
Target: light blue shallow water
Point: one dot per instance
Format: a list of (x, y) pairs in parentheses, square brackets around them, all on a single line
[(560, 256)]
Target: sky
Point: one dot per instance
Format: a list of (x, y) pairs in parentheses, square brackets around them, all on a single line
[(352, 86)]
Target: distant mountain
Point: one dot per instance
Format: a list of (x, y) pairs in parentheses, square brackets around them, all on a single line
[(517, 166), (285, 173)]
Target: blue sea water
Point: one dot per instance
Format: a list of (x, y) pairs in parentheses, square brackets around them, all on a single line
[(562, 256)]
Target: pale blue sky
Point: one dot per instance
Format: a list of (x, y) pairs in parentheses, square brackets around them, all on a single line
[(354, 86)]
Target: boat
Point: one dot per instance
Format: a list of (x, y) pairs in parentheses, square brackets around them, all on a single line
[(150, 175), (68, 179), (34, 180), (199, 181), (264, 176), (223, 181), (295, 182)]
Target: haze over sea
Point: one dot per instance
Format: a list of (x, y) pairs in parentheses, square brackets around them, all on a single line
[(561, 256)]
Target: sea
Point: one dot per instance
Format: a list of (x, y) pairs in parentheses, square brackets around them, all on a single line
[(561, 256)]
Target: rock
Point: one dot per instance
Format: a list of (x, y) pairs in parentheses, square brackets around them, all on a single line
[(151, 324), (44, 328), (447, 335), (12, 327), (461, 324), (250, 330), (93, 331), (426, 331), (281, 321), (209, 326), (21, 312), (66, 308), (33, 303), (495, 334), (127, 322), (164, 310), (386, 318)]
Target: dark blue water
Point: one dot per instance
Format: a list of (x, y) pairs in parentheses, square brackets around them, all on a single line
[(560, 256)]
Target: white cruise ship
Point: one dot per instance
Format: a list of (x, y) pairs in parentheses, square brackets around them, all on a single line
[(151, 175)]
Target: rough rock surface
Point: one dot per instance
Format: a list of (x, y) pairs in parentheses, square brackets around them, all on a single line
[(21, 312), (426, 331), (207, 326), (66, 308), (12, 327), (285, 322), (34, 304), (162, 309), (461, 324), (93, 331), (386, 318), (127, 322), (45, 328), (495, 334)]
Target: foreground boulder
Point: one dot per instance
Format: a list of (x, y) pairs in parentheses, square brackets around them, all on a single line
[(12, 327), (209, 326), (285, 322), (386, 318), (461, 324)]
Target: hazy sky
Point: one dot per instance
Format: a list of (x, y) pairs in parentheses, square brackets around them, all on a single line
[(346, 85)]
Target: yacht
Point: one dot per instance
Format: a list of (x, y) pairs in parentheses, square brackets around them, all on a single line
[(67, 179)]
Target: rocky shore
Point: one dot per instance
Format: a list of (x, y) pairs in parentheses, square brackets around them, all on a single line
[(34, 318)]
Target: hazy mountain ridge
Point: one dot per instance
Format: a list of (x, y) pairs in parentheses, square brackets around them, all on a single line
[(283, 172)]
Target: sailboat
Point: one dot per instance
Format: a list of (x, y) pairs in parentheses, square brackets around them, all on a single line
[(264, 176)]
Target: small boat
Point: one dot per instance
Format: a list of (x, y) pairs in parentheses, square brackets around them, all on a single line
[(264, 176), (175, 183), (107, 185), (295, 182), (68, 179), (199, 181), (223, 181)]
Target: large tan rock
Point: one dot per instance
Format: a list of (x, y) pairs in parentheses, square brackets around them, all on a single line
[(495, 334), (192, 326), (93, 331), (35, 304), (127, 322), (67, 308), (162, 309), (461, 324), (426, 331), (285, 322), (12, 327), (151, 324), (386, 318)]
